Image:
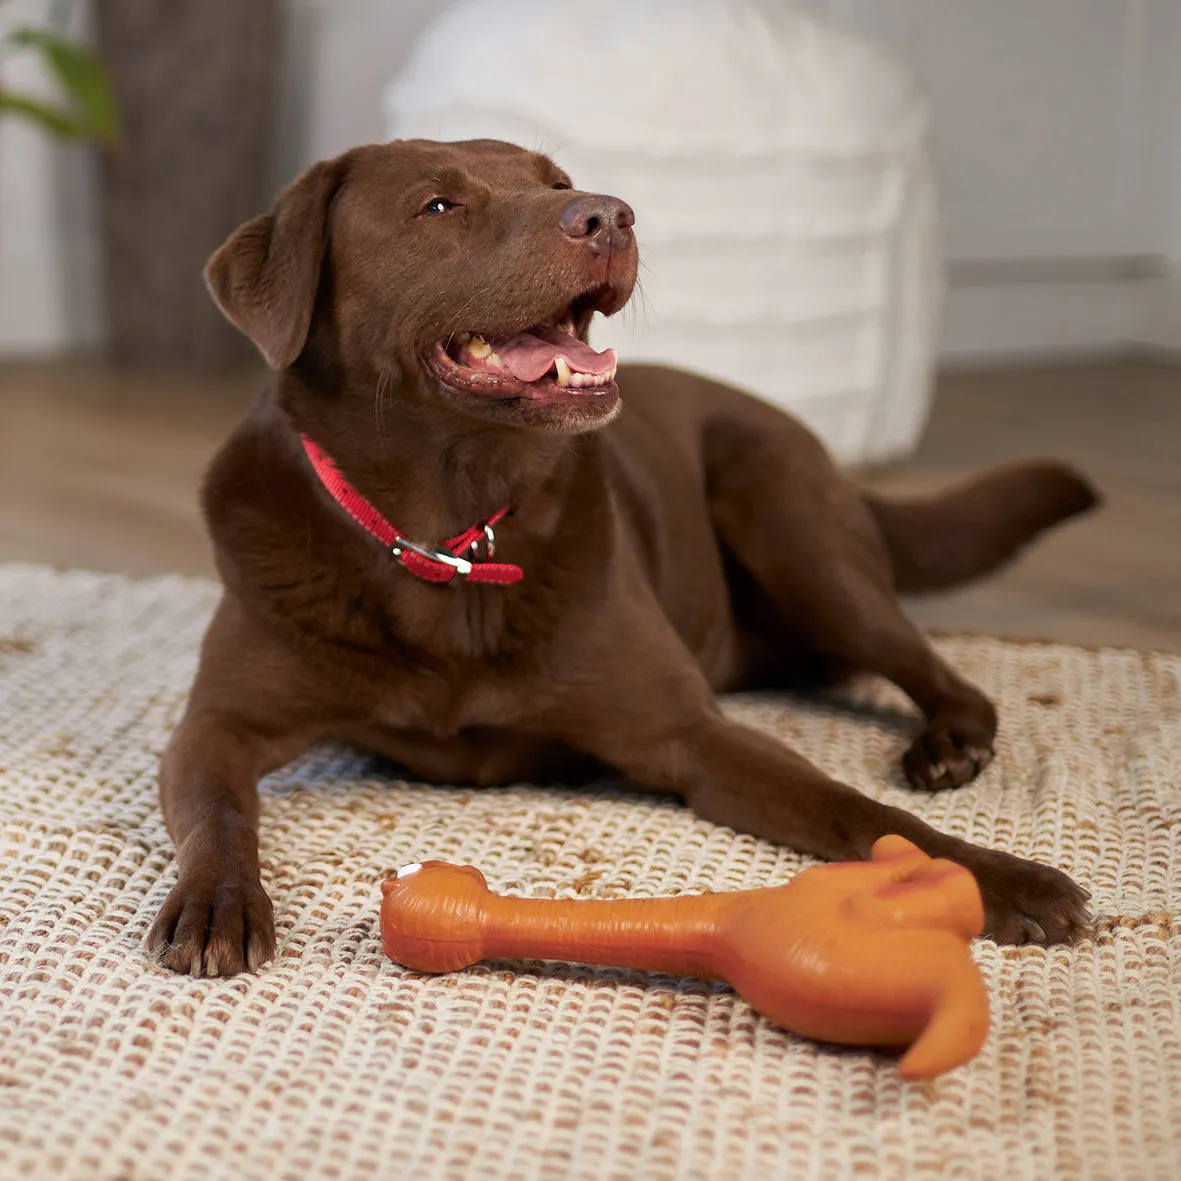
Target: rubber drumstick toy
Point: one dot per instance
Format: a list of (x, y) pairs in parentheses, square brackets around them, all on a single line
[(872, 953)]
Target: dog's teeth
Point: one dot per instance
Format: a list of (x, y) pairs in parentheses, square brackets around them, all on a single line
[(478, 347), (563, 370), (495, 360), (611, 373)]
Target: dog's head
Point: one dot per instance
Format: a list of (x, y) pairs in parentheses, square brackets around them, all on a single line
[(467, 272)]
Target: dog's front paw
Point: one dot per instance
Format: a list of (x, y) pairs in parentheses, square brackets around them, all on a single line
[(1025, 902), (214, 928)]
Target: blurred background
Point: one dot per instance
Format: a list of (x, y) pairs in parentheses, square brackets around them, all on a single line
[(946, 233)]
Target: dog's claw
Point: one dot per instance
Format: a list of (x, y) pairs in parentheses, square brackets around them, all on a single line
[(1034, 929)]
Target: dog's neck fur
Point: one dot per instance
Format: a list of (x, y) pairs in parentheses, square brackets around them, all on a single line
[(432, 472)]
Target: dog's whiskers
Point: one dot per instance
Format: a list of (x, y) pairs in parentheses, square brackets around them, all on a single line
[(384, 382), (456, 320)]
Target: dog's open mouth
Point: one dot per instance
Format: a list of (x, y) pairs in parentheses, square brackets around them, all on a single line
[(542, 362)]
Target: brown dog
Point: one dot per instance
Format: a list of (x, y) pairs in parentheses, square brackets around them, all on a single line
[(424, 308)]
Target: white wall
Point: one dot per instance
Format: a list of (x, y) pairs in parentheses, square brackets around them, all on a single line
[(1161, 327), (342, 54), (1058, 128), (1058, 141), (48, 244)]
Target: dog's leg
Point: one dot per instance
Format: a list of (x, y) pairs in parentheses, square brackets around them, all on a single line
[(670, 736), (241, 723), (218, 919), (855, 621), (803, 533)]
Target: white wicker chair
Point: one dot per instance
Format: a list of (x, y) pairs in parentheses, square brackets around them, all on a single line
[(779, 171)]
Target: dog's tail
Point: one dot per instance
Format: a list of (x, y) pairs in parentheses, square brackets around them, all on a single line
[(972, 529)]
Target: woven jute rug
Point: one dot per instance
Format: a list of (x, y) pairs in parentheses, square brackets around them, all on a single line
[(334, 1063)]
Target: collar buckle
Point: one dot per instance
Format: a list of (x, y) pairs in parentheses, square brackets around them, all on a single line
[(461, 566)]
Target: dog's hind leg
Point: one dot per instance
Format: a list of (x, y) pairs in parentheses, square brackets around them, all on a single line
[(818, 553)]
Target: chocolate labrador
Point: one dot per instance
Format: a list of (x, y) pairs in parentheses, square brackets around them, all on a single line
[(450, 532)]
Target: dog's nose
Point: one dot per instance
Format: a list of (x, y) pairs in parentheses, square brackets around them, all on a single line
[(603, 223)]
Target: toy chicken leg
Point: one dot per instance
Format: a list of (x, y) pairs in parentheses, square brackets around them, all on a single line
[(863, 953)]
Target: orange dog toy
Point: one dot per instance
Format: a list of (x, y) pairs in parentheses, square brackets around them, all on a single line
[(862, 953)]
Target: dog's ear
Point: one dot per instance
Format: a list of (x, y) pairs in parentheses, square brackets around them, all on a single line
[(265, 275)]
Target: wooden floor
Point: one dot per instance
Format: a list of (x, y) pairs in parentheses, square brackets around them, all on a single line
[(99, 469), (1110, 578)]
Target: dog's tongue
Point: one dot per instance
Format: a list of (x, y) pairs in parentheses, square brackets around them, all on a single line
[(529, 355)]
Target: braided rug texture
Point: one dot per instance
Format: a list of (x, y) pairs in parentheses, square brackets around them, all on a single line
[(334, 1063)]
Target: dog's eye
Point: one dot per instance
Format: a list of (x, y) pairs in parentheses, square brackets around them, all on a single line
[(561, 184), (438, 205)]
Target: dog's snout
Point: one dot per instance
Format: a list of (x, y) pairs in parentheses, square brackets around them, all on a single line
[(603, 223)]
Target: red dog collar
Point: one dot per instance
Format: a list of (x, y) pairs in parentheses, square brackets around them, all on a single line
[(432, 565)]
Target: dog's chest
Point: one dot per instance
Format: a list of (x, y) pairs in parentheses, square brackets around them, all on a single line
[(442, 704), (455, 673), (452, 625)]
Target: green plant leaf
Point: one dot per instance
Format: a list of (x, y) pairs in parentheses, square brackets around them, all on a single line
[(81, 76), (59, 121)]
